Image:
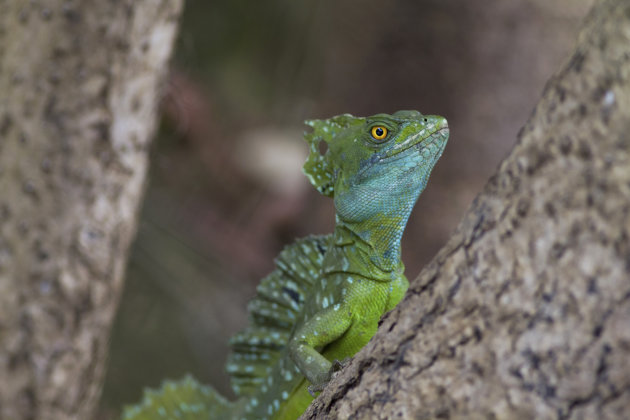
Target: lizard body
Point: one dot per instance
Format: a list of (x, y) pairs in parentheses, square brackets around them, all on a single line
[(323, 301)]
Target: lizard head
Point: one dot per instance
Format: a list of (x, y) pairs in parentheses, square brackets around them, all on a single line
[(375, 163)]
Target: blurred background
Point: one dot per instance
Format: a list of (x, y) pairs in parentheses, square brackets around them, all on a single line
[(226, 190)]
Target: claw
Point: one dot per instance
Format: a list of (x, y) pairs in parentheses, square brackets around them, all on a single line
[(334, 371), (338, 365), (313, 389)]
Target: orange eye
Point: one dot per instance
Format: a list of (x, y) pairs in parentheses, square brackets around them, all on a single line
[(379, 132)]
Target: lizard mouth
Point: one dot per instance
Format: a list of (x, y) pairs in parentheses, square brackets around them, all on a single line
[(439, 136), (411, 146)]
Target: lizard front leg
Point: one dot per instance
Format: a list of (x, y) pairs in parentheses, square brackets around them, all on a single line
[(322, 329)]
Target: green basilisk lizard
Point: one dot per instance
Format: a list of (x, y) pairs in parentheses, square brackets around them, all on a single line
[(323, 301)]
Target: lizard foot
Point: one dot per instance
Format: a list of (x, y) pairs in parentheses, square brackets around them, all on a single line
[(333, 372)]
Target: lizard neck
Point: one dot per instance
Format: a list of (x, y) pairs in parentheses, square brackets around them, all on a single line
[(378, 238)]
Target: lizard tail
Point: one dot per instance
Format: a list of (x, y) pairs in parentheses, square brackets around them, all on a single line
[(186, 399)]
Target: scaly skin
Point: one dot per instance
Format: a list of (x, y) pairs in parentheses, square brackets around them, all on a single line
[(323, 302)]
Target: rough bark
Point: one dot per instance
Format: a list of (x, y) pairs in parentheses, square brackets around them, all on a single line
[(79, 83), (525, 313)]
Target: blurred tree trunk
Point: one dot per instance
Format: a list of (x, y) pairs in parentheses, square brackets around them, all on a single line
[(525, 313), (79, 88)]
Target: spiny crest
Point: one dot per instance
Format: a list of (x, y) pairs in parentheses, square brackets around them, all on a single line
[(185, 399), (318, 167), (274, 312)]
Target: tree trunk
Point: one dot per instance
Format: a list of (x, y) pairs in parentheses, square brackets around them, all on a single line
[(79, 85), (525, 313)]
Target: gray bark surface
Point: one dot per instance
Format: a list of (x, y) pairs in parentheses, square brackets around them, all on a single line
[(525, 313), (79, 88)]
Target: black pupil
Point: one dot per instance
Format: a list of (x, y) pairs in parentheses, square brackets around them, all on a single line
[(379, 132)]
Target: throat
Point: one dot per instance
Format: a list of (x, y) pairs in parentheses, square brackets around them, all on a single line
[(377, 240)]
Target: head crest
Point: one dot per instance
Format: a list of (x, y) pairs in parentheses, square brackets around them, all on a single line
[(318, 167)]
